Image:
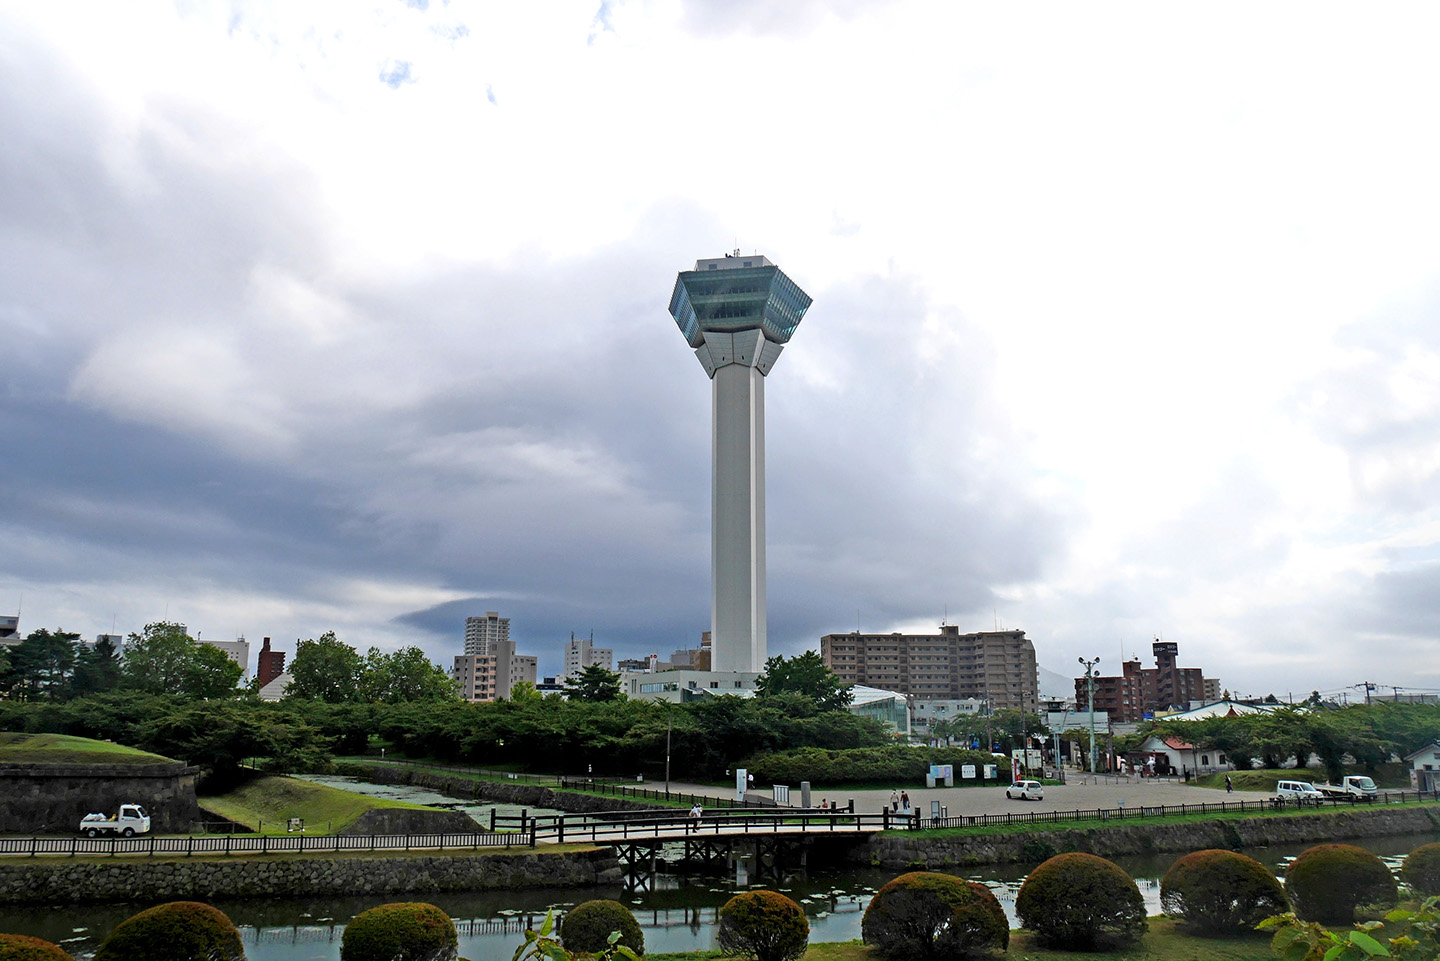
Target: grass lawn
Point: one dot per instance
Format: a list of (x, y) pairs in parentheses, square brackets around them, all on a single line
[(273, 800), (64, 749), (1164, 942)]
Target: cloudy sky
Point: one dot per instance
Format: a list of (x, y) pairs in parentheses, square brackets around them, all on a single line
[(352, 316)]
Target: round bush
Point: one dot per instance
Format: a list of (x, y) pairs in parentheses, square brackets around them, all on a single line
[(925, 914), (764, 925), (1221, 892), (178, 931), (1328, 882), (587, 927), (403, 931), (20, 947), (1078, 901), (1422, 870)]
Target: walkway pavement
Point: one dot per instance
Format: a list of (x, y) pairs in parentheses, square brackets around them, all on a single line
[(1076, 794)]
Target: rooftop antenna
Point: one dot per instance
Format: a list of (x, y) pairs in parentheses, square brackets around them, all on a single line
[(946, 619)]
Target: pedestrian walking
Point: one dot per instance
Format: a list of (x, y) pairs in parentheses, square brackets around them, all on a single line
[(905, 802), (894, 801), (1229, 785)]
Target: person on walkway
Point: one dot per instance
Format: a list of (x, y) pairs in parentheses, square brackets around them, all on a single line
[(695, 813), (1229, 786), (894, 801), (905, 802)]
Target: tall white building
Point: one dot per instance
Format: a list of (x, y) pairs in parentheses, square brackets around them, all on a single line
[(737, 313), (237, 650), (581, 652), (482, 634), (489, 669)]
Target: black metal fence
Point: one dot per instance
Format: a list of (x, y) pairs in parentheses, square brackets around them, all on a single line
[(189, 846)]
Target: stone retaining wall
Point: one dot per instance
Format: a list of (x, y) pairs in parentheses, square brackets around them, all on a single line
[(897, 851), (52, 798), (54, 881), (535, 795)]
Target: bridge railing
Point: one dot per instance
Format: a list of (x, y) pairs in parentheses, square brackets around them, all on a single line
[(210, 845)]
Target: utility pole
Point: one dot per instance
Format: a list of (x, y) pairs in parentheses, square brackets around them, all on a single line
[(667, 752), (1090, 699)]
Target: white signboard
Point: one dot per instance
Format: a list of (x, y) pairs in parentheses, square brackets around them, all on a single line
[(967, 771), (740, 773), (990, 773)]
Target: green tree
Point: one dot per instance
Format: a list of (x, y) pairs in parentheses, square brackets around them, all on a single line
[(595, 683), (807, 675), (404, 675), (163, 659), (97, 669), (325, 669), (41, 666), (523, 692)]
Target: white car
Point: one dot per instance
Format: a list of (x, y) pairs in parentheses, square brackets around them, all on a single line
[(1026, 791), (1300, 792)]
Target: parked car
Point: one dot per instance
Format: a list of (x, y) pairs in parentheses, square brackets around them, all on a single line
[(1301, 792), (1026, 791)]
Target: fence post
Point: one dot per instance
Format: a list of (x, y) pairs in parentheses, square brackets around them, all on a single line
[(532, 834)]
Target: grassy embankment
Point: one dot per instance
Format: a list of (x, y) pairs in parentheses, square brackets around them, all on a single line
[(1394, 776), (440, 768), (1164, 941), (267, 803), (64, 749)]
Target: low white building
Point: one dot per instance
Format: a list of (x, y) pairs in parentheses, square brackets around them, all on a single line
[(275, 690), (1425, 767), (687, 685), (924, 712)]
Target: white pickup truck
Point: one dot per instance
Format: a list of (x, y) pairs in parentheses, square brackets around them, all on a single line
[(1354, 787), (131, 820)]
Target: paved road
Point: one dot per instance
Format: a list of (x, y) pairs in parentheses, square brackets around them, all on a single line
[(1072, 796)]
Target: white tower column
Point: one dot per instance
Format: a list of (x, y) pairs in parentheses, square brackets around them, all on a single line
[(737, 313), (737, 546)]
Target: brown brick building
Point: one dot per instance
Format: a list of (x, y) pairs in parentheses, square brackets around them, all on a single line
[(995, 665), (1138, 691)]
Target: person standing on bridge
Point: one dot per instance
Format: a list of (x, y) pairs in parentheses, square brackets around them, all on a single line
[(695, 816)]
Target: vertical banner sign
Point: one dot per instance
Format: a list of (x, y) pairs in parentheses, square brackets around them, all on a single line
[(1016, 770), (740, 773)]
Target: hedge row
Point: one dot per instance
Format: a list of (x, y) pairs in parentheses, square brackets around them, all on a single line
[(887, 766)]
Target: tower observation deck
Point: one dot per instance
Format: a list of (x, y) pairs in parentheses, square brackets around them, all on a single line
[(737, 313)]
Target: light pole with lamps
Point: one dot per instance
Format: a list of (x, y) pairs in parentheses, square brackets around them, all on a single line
[(1090, 698)]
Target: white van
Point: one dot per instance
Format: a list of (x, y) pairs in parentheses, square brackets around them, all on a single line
[(1301, 792)]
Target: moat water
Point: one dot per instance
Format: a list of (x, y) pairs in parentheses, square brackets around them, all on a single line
[(676, 913)]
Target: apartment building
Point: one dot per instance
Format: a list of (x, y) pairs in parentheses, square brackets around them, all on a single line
[(994, 666)]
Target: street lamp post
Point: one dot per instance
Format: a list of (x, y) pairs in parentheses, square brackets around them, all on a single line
[(1090, 698)]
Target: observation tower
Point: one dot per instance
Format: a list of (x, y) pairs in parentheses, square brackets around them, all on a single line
[(738, 313)]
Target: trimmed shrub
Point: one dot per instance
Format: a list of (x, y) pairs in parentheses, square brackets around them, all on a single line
[(587, 927), (764, 925), (21, 947), (1328, 882), (1221, 892), (1080, 901), (925, 914), (1422, 870), (178, 931), (403, 931)]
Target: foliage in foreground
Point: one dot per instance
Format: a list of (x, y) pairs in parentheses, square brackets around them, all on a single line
[(543, 945), (1416, 937), (20, 947), (402, 931), (177, 931), (1327, 882), (1422, 870), (763, 925), (925, 914), (1080, 901), (587, 927), (1221, 892)]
